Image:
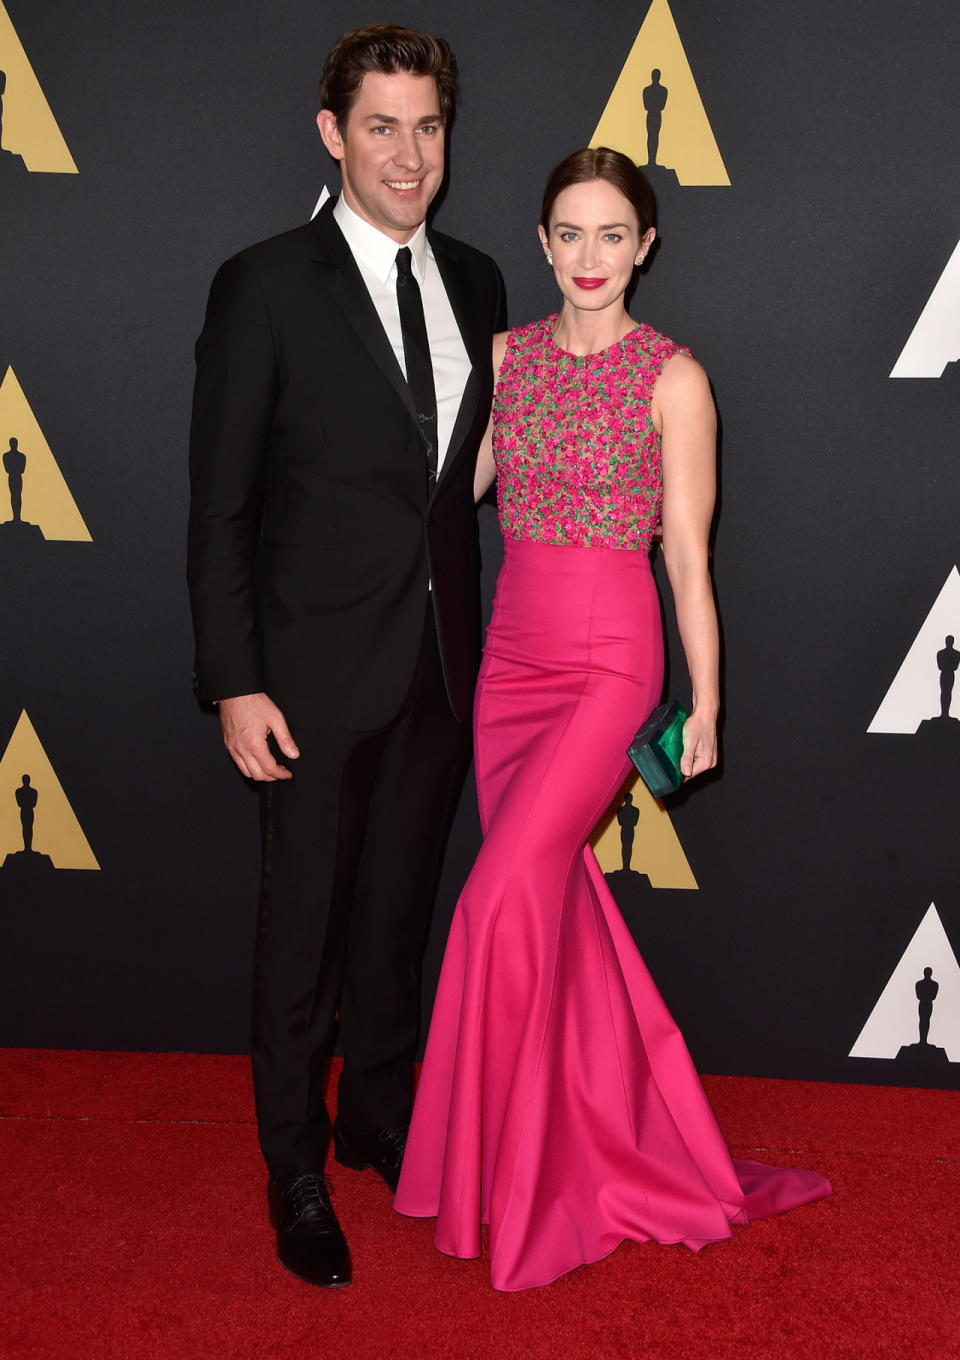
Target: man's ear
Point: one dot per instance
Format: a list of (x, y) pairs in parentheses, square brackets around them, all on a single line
[(330, 132)]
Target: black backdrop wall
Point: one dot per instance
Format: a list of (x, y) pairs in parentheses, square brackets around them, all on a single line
[(820, 846)]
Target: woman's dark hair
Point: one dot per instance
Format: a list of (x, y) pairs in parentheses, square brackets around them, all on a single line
[(591, 163), (388, 49)]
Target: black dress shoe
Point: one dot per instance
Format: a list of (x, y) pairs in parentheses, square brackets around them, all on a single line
[(381, 1151), (309, 1239)]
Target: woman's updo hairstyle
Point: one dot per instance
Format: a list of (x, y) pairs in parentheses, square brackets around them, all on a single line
[(580, 167)]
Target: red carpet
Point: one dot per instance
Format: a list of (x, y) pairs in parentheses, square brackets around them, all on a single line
[(133, 1202)]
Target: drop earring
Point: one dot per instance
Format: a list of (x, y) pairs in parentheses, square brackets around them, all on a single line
[(549, 258)]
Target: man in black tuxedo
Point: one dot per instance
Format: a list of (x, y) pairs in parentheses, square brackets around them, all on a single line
[(343, 386)]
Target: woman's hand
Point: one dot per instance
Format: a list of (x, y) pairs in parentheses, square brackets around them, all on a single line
[(699, 744)]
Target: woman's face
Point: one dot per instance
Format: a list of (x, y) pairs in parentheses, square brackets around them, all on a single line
[(595, 243)]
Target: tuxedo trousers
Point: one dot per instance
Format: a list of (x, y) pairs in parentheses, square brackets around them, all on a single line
[(352, 852)]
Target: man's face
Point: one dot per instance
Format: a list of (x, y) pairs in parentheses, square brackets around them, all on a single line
[(390, 150)]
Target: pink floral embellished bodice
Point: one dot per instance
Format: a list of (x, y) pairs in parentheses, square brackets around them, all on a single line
[(577, 453)]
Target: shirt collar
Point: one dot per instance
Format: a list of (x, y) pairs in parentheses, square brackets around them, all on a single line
[(374, 249)]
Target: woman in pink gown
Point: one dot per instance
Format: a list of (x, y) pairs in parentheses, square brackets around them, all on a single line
[(558, 1102)]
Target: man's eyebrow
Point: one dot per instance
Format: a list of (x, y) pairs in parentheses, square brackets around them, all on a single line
[(388, 118)]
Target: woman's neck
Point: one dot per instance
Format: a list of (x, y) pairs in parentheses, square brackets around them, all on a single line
[(582, 332)]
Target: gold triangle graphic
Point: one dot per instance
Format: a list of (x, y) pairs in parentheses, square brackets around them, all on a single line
[(29, 128), (656, 850), (45, 496), (55, 829), (686, 142)]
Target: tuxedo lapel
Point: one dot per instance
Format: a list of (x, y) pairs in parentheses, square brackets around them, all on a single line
[(342, 279), (454, 277)]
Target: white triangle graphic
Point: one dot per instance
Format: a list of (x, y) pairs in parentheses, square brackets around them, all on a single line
[(935, 340), (915, 692), (894, 1020), (324, 195)]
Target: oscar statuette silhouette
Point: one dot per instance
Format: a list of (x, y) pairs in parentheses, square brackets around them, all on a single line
[(12, 167), (17, 529), (26, 862), (655, 96), (923, 1056), (944, 727), (630, 886)]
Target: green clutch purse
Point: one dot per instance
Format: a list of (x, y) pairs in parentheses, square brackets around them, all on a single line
[(657, 748)]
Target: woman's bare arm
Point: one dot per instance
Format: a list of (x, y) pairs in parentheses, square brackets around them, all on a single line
[(683, 410), (486, 471)]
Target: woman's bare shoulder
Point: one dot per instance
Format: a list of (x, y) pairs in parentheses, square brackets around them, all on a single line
[(684, 374)]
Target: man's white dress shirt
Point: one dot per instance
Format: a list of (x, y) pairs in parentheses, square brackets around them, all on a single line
[(376, 257)]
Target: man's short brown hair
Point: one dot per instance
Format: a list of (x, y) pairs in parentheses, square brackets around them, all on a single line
[(386, 48)]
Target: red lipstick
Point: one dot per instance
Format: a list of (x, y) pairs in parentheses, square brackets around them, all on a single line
[(589, 283)]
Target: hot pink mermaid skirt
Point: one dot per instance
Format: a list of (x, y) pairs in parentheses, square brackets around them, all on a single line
[(558, 1102)]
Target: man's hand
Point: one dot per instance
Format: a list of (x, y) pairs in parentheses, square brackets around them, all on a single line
[(245, 721)]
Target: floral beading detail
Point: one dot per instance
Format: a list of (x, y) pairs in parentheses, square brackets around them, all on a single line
[(577, 453)]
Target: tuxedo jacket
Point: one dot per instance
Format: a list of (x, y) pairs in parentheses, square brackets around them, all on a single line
[(313, 535)]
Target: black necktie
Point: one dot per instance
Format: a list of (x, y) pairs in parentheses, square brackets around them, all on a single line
[(416, 353)]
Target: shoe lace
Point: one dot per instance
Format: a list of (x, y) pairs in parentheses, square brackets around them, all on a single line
[(396, 1137), (307, 1191)]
